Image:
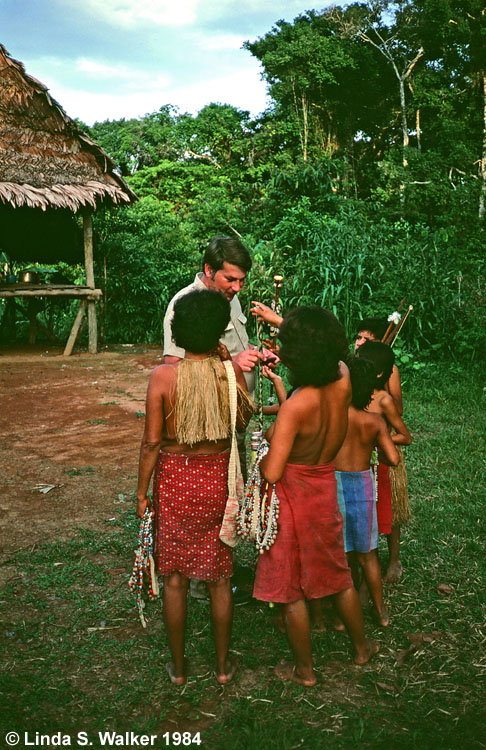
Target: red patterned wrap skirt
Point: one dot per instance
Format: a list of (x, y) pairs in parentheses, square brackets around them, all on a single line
[(307, 559), (190, 493)]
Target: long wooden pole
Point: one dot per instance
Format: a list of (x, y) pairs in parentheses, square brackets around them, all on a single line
[(75, 329), (88, 262)]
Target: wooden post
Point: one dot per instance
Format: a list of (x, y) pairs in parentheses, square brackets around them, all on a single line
[(75, 329), (88, 262)]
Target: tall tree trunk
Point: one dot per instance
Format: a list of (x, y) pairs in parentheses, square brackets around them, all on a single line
[(417, 130), (403, 109), (482, 194), (305, 120)]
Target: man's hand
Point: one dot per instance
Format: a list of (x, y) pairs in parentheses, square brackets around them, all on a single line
[(270, 358), (247, 359)]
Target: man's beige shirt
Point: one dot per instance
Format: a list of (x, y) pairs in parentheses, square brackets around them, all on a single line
[(234, 338)]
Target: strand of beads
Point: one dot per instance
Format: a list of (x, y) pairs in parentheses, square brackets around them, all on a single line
[(257, 518), (143, 567), (374, 465)]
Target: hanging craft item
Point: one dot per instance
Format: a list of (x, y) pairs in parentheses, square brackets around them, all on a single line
[(144, 576), (258, 515), (257, 519), (374, 461)]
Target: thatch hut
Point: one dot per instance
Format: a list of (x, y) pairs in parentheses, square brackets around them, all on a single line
[(50, 172)]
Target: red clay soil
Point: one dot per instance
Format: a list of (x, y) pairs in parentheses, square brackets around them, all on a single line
[(73, 422)]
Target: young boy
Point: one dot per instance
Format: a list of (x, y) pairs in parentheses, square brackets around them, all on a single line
[(373, 329), (355, 481), (382, 403), (307, 559)]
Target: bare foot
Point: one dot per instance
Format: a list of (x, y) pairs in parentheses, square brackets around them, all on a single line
[(318, 627), (176, 679), (230, 668), (338, 624), (394, 572), (382, 617), (372, 647), (288, 671)]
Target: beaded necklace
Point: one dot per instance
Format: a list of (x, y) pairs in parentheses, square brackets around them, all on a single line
[(144, 577), (257, 519)]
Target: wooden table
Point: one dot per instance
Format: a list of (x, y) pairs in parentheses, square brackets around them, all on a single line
[(88, 296)]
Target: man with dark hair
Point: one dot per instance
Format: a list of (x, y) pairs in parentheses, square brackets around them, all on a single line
[(225, 265), (307, 559)]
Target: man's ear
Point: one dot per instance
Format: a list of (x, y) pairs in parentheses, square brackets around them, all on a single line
[(208, 271)]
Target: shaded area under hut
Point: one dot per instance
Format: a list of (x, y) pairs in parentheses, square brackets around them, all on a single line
[(50, 174)]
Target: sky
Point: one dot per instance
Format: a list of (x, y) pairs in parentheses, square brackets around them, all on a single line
[(108, 59)]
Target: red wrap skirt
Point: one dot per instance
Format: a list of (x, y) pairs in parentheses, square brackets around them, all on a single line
[(384, 504), (190, 493), (307, 559)]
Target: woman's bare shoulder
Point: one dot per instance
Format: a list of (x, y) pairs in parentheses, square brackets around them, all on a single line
[(163, 374)]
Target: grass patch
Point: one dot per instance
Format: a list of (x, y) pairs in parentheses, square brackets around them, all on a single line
[(75, 657)]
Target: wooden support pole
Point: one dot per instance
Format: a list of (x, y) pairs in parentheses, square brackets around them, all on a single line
[(75, 329), (88, 262)]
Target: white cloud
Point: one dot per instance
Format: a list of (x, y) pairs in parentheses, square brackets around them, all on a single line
[(130, 13), (141, 79), (243, 89), (218, 42)]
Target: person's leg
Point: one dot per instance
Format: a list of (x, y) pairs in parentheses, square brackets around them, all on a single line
[(316, 615), (297, 626), (221, 602), (349, 608), (354, 568), (175, 611), (372, 573), (394, 570)]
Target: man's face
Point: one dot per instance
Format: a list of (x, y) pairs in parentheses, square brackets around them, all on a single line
[(228, 280), (362, 337)]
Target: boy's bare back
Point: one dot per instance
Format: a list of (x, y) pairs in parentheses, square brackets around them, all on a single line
[(365, 431)]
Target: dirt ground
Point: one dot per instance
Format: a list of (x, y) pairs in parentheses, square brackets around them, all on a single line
[(72, 422)]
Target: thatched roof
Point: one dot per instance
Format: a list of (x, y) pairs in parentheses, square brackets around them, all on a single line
[(46, 161)]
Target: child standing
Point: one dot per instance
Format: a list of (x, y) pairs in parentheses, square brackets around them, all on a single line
[(307, 560), (383, 403), (355, 481), (394, 480)]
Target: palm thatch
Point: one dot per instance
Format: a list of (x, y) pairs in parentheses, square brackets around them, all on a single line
[(46, 161)]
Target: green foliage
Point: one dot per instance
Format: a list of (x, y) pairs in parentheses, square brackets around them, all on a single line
[(148, 258), (357, 267)]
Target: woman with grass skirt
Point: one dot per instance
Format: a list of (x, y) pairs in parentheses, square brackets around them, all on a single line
[(186, 446)]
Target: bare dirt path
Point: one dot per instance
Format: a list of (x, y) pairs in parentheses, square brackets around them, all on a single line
[(73, 422)]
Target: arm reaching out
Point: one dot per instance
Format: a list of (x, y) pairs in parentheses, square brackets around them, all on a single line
[(277, 382), (266, 314)]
